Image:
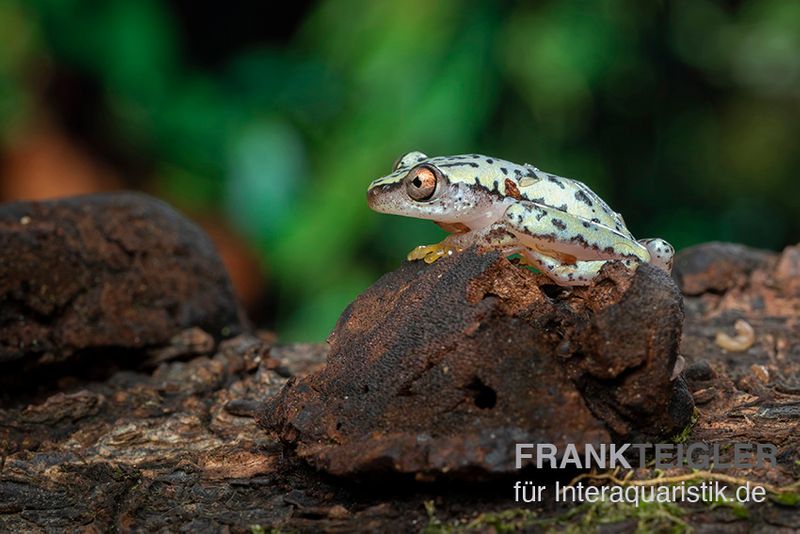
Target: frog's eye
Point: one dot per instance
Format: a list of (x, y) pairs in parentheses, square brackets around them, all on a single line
[(421, 182)]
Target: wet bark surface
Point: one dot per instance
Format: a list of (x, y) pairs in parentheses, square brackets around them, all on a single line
[(170, 439)]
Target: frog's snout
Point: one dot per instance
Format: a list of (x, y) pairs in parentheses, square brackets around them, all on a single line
[(381, 195), (372, 196)]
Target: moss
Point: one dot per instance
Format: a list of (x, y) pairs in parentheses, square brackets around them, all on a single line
[(586, 517), (738, 509), (434, 526), (683, 435), (787, 498), (511, 520), (649, 517), (506, 521)]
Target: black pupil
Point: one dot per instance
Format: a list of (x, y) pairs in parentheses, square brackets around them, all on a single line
[(417, 182)]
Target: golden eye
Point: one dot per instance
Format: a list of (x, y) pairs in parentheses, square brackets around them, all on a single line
[(421, 182)]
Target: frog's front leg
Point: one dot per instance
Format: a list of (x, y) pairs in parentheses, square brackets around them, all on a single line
[(447, 247), (568, 237), (431, 253), (495, 236)]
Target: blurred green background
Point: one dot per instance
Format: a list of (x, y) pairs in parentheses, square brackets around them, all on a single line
[(267, 128)]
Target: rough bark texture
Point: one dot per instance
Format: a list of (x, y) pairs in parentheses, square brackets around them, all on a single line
[(178, 447), (444, 368), (111, 270)]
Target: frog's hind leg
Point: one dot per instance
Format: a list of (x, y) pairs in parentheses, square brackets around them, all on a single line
[(561, 234), (580, 273), (661, 252)]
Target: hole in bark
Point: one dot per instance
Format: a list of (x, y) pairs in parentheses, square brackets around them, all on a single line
[(551, 290), (483, 396)]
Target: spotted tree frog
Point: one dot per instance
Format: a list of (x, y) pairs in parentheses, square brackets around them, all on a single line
[(555, 224)]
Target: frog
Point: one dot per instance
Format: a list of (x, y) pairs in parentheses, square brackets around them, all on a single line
[(555, 224)]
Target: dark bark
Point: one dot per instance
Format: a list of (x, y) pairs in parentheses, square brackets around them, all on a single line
[(441, 369), (111, 270)]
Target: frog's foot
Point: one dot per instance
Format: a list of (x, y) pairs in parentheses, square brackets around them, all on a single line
[(661, 252), (431, 253), (580, 273)]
